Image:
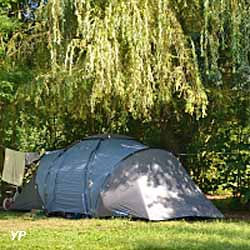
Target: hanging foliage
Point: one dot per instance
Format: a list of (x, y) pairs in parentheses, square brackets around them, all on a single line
[(132, 56), (113, 60), (225, 37)]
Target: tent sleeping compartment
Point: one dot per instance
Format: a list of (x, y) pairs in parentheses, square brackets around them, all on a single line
[(104, 176)]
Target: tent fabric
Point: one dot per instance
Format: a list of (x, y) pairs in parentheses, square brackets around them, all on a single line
[(107, 136), (117, 176), (14, 164), (156, 179), (46, 163), (71, 182), (28, 198)]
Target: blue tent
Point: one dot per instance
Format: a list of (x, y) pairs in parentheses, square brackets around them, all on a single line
[(115, 176)]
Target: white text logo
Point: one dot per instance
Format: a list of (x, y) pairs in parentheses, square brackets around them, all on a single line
[(18, 234)]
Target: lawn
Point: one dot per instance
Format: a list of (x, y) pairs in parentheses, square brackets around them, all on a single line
[(58, 233)]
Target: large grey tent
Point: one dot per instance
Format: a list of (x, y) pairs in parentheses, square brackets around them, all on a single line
[(103, 176)]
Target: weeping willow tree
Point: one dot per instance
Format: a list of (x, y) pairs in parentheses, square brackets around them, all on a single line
[(105, 62), (115, 58)]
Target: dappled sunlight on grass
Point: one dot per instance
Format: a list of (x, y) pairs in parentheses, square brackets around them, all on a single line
[(93, 234)]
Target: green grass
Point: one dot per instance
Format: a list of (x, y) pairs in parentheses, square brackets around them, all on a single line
[(58, 233)]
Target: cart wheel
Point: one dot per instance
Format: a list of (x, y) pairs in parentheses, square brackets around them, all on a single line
[(7, 202)]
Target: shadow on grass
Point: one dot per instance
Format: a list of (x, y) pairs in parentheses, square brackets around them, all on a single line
[(187, 244), (149, 246), (5, 215)]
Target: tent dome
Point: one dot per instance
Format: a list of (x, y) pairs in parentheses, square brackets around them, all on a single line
[(106, 175)]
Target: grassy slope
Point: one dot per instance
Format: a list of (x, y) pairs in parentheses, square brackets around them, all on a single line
[(56, 233)]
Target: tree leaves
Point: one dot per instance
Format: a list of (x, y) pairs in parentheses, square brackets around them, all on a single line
[(134, 55)]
